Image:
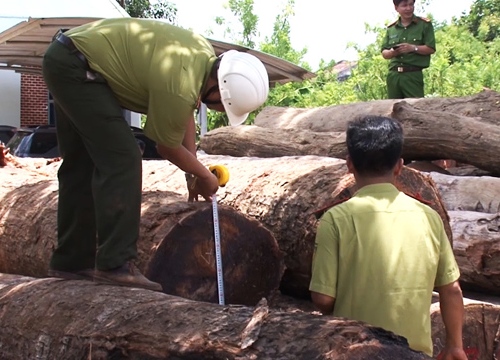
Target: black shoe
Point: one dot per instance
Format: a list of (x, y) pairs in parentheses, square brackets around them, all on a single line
[(126, 275), (85, 274)]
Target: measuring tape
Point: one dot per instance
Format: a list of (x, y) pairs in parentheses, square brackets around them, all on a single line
[(218, 255), (223, 175)]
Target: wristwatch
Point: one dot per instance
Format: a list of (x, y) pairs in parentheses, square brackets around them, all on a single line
[(416, 48)]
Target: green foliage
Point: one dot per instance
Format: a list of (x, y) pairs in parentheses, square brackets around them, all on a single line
[(160, 9), (465, 61), (483, 20), (280, 44), (243, 10)]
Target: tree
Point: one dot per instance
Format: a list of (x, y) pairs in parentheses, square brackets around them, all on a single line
[(483, 20), (161, 9)]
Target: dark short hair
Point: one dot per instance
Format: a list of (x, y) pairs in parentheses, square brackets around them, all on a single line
[(375, 144), (397, 2)]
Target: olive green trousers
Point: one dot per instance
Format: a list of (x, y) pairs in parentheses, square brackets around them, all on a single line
[(405, 85), (100, 178)]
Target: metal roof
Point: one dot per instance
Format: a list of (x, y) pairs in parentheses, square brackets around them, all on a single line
[(23, 45), (22, 48)]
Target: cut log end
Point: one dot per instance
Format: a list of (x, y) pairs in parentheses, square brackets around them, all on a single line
[(185, 262)]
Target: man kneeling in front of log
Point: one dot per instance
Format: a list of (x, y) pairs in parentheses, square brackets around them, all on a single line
[(379, 255)]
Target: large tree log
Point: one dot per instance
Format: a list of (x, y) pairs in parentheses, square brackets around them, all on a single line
[(480, 330), (485, 105), (263, 142), (469, 193), (476, 244), (441, 135), (176, 245), (284, 194), (428, 136), (447, 131), (79, 320)]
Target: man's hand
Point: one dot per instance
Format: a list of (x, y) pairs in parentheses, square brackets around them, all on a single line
[(452, 353), (403, 48), (205, 187), (452, 312)]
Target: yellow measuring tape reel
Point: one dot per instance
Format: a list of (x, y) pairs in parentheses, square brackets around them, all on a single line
[(221, 172)]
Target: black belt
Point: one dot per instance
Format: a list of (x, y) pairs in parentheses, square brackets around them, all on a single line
[(66, 41), (403, 69)]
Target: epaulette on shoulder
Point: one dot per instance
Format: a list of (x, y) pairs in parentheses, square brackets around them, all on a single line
[(419, 197), (392, 24), (319, 213), (424, 19)]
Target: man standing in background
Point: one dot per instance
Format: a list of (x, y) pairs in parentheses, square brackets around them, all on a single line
[(409, 43)]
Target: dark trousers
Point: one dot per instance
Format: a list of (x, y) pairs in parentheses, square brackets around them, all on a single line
[(100, 178), (405, 85)]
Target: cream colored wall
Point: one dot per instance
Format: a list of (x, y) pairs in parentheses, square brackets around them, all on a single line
[(10, 98)]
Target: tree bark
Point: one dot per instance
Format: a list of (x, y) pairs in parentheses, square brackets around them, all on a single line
[(432, 135), (262, 142), (428, 136), (176, 245), (79, 320), (284, 194), (484, 105), (480, 330), (435, 128), (477, 249), (469, 193)]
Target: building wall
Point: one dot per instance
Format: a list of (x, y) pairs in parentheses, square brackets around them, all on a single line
[(10, 86), (34, 100), (34, 105)]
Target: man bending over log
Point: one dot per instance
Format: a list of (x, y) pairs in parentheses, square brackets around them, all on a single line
[(379, 254), (150, 67)]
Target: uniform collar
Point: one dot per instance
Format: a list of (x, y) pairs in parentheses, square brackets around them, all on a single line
[(414, 20), (376, 189)]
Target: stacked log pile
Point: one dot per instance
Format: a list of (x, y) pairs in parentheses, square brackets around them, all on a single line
[(284, 171), (174, 248), (463, 129), (71, 320)]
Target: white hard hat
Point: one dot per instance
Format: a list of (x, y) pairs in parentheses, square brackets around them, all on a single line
[(243, 84)]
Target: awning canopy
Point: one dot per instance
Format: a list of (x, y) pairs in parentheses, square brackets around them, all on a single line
[(22, 48)]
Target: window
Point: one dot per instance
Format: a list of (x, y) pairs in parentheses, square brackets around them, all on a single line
[(52, 110)]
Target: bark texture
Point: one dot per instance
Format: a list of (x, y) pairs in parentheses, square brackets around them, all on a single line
[(435, 128), (53, 319), (176, 245), (469, 193), (428, 136), (477, 249), (263, 142), (484, 105), (480, 330), (440, 135), (284, 194)]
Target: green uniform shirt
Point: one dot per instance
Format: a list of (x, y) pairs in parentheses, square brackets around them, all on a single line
[(153, 68), (380, 254), (419, 32)]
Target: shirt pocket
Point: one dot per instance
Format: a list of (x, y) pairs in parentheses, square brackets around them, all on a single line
[(415, 39), (393, 40)]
